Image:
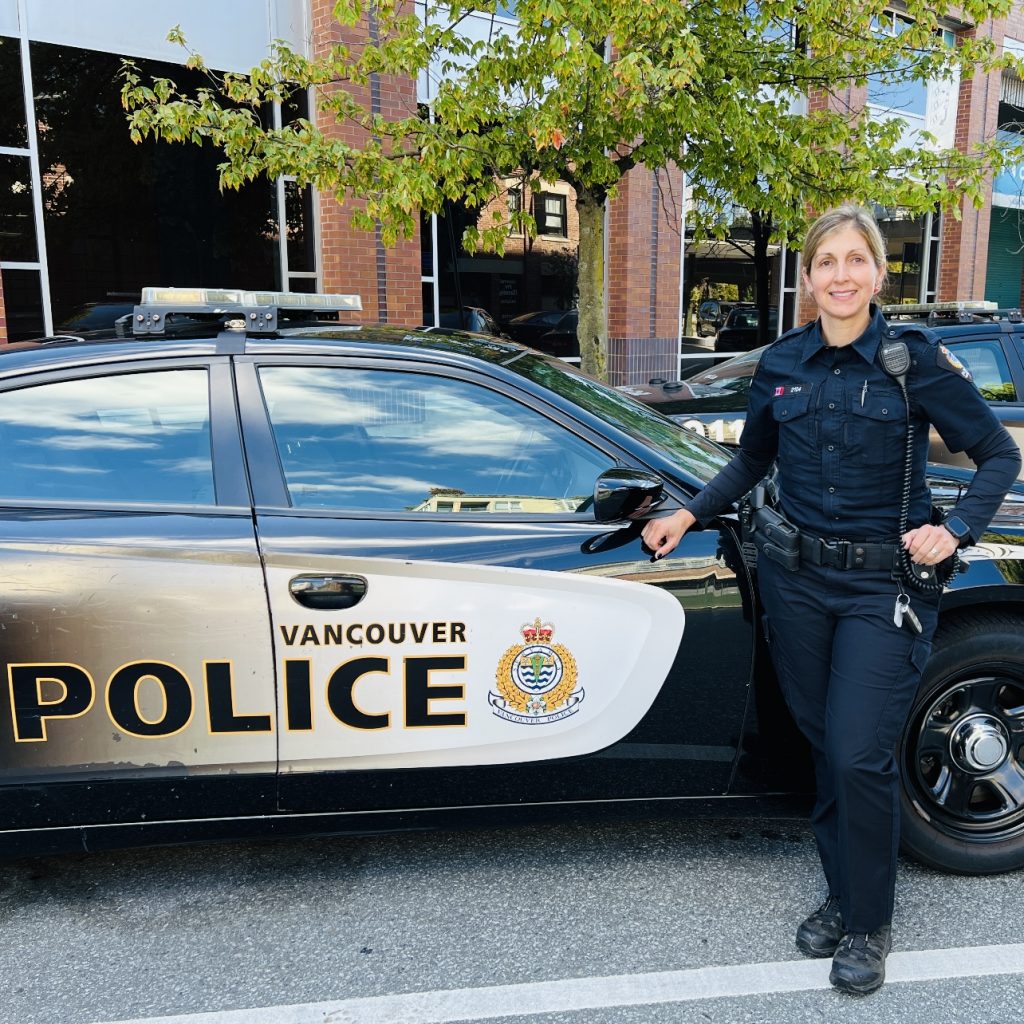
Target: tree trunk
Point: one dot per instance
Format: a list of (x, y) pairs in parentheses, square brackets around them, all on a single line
[(592, 331)]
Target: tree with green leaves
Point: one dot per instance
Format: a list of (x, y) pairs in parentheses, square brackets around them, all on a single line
[(586, 90)]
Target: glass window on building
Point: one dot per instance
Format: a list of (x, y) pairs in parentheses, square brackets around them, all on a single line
[(298, 205), (23, 304), (119, 216), (17, 222), (12, 95), (550, 213), (906, 244), (892, 91)]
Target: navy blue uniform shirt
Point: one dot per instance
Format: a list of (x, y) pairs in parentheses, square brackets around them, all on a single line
[(837, 423)]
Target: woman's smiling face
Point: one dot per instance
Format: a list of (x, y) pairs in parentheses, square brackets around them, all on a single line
[(842, 277)]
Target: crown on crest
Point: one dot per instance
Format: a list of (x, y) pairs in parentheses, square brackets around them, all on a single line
[(537, 632)]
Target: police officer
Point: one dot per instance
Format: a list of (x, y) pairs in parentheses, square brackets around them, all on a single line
[(849, 632)]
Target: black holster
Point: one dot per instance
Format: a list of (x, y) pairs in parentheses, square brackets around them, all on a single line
[(776, 537), (772, 534)]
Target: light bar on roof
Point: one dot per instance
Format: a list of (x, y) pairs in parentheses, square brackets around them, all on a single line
[(302, 300), (954, 306), (215, 298)]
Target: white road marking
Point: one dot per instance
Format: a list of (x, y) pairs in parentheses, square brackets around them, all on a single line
[(467, 1004)]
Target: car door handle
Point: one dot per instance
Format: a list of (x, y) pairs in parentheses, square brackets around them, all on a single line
[(315, 591)]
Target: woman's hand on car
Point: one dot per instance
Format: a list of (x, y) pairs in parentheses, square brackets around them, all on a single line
[(662, 535)]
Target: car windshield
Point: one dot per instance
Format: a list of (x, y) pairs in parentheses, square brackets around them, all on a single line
[(698, 457), (746, 319), (550, 317), (732, 375)]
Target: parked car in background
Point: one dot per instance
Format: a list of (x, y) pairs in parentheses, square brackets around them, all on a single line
[(562, 342), (739, 332), (529, 327), (97, 316), (471, 318), (990, 343), (711, 315)]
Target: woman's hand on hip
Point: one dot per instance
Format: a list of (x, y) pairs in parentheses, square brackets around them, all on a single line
[(662, 535), (929, 545)]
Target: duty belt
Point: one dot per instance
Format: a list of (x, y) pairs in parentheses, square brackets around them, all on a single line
[(846, 554)]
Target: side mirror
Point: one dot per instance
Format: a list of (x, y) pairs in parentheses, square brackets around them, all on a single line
[(624, 493)]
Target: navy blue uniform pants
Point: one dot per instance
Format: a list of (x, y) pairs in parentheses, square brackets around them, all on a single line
[(849, 676)]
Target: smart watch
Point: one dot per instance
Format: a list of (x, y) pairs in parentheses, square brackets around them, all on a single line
[(959, 529)]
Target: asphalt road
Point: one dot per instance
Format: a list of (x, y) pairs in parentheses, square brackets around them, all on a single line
[(623, 921)]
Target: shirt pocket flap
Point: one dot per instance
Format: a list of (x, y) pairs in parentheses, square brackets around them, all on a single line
[(884, 406), (790, 407)]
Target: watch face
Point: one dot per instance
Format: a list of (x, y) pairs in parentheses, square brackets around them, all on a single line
[(957, 527)]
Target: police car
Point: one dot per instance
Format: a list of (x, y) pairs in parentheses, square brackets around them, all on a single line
[(268, 576), (987, 340)]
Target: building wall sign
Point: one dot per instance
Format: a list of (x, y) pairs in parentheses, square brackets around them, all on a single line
[(1008, 187)]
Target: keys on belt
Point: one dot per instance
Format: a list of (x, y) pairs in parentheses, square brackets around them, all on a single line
[(904, 615)]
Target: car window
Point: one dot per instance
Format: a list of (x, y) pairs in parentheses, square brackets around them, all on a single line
[(548, 319), (139, 437), (987, 363), (368, 440), (692, 452), (742, 318)]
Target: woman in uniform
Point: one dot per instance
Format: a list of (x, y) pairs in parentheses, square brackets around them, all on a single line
[(849, 632)]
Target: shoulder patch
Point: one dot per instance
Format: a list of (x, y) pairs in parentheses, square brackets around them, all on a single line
[(947, 361)]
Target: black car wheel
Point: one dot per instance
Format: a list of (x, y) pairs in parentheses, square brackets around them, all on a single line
[(962, 751)]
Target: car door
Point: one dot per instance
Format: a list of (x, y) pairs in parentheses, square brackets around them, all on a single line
[(442, 599), (138, 678), (994, 363)]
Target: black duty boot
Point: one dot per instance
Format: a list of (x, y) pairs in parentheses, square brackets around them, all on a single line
[(819, 935), (859, 963)]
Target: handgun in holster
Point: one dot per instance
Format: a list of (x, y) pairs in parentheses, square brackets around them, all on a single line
[(772, 534)]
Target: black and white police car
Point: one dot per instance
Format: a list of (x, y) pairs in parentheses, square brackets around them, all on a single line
[(263, 576)]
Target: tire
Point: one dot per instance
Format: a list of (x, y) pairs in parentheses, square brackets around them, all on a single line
[(961, 754)]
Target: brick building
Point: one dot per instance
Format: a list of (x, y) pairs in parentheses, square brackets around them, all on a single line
[(88, 218)]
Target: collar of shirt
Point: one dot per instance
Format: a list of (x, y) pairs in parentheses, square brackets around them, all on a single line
[(866, 346)]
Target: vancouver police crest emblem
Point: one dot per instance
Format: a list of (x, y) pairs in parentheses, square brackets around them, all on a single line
[(536, 680)]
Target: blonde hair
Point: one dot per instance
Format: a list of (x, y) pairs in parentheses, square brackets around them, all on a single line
[(843, 216)]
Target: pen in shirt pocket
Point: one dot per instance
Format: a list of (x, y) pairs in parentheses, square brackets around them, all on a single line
[(863, 394)]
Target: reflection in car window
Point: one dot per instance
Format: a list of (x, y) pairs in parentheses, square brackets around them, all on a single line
[(367, 440), (698, 457), (140, 437), (988, 367)]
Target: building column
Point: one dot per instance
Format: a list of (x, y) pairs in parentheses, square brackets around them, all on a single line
[(644, 224), (388, 279), (963, 261)]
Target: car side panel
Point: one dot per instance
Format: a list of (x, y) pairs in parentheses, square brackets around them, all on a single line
[(133, 646), (685, 744)]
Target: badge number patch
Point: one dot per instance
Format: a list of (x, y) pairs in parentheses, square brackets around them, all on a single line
[(536, 680)]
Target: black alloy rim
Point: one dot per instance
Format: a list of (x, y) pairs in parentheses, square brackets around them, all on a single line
[(964, 757)]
